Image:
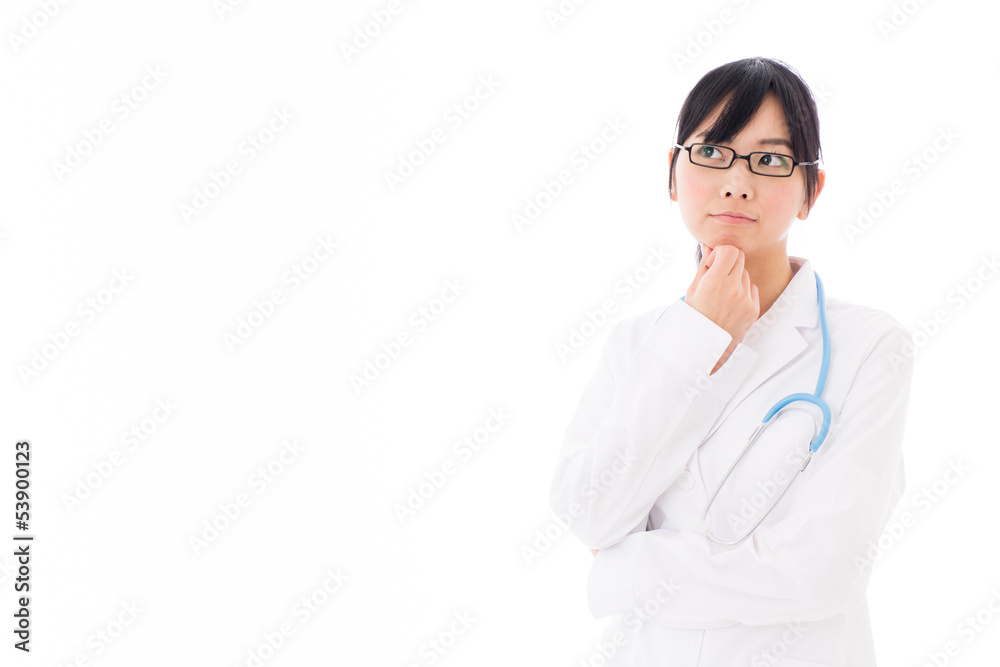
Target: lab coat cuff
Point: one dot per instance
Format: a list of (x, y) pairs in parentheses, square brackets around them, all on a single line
[(610, 585), (691, 344)]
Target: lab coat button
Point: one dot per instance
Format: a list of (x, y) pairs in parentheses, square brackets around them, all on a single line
[(686, 480)]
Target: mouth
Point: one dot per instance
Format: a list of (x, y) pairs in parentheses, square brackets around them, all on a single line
[(733, 219)]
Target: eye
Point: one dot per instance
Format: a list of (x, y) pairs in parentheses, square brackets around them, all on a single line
[(709, 152), (775, 160)]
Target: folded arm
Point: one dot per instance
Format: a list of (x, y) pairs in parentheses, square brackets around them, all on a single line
[(641, 417), (807, 566)]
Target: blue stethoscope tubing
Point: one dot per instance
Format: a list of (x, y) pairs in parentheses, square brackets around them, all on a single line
[(818, 438)]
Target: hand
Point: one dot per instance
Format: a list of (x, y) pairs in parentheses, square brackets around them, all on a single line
[(722, 292)]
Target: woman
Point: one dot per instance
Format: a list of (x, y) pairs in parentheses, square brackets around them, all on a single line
[(679, 391)]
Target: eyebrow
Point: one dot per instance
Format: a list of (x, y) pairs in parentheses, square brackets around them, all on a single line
[(773, 142)]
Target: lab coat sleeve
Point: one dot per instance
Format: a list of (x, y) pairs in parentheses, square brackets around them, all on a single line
[(641, 417), (814, 563)]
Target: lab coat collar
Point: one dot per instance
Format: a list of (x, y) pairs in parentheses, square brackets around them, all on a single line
[(796, 306), (775, 339)]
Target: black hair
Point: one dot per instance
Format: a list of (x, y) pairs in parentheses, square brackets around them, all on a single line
[(747, 82)]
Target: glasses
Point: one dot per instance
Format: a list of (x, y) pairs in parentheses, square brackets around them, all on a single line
[(721, 157)]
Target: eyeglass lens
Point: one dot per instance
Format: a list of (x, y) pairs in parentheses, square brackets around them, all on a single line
[(720, 157)]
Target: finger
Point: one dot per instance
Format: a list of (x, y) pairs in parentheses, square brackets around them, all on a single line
[(756, 298), (707, 255), (745, 281), (706, 264), (737, 271), (725, 257)]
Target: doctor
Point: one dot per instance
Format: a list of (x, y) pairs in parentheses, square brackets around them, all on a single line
[(678, 391)]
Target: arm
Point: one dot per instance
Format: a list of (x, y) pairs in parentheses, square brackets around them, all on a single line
[(642, 416), (805, 567)]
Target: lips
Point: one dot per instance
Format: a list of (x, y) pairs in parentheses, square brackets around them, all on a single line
[(733, 214), (732, 219)]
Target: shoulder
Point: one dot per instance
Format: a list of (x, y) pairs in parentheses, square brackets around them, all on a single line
[(878, 337), (872, 323)]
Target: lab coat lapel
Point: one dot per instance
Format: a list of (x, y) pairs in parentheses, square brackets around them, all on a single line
[(776, 337)]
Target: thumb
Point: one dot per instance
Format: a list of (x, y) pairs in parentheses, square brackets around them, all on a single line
[(706, 262), (707, 256)]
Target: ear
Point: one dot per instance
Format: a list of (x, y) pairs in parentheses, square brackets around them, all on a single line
[(820, 181), (670, 158)]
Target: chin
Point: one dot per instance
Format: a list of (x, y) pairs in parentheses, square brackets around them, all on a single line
[(732, 239)]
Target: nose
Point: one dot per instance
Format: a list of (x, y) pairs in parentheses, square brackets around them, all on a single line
[(738, 180)]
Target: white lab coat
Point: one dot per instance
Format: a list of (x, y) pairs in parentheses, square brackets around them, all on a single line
[(654, 434)]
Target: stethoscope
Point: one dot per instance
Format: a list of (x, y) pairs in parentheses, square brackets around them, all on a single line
[(818, 437)]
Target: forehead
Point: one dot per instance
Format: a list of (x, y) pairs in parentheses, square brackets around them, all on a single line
[(766, 124)]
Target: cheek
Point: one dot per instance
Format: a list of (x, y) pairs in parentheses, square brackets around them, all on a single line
[(772, 199), (778, 199), (692, 190)]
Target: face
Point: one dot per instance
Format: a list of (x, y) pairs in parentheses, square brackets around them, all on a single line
[(772, 203)]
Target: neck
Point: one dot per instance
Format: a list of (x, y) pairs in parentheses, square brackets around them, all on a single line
[(771, 274)]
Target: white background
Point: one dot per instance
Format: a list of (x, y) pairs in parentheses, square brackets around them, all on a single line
[(883, 98)]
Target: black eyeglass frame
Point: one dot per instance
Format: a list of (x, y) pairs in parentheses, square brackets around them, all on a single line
[(737, 156)]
